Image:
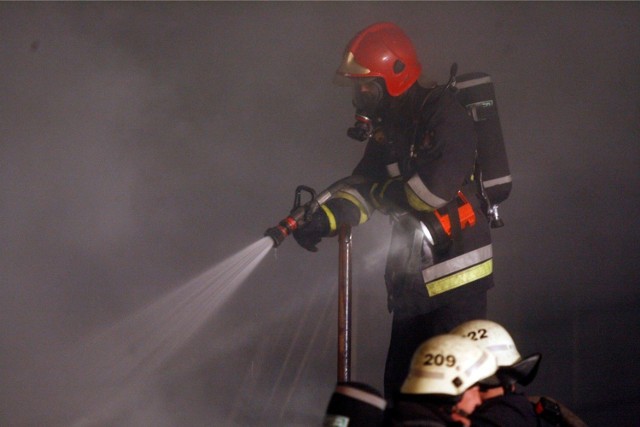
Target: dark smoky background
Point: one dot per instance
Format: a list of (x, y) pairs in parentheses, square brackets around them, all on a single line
[(141, 143)]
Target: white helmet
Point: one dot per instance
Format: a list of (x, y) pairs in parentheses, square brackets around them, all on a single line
[(492, 337), (447, 365), (495, 339)]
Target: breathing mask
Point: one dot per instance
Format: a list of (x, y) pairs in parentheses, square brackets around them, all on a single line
[(369, 98)]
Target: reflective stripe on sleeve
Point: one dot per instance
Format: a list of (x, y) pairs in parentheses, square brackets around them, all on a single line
[(374, 200), (497, 181), (354, 197), (362, 396), (377, 192), (426, 196), (393, 170), (474, 82), (415, 202), (332, 219)]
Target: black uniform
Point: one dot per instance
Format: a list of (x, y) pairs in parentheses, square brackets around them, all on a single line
[(420, 159), (415, 414), (511, 409)]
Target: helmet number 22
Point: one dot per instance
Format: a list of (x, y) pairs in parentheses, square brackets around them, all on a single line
[(478, 335)]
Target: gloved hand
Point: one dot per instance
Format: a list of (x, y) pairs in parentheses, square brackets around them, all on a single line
[(310, 234)]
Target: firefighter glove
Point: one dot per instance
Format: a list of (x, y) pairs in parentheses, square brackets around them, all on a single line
[(310, 234)]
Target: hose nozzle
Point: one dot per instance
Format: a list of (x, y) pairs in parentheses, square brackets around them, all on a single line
[(299, 215), (281, 231)]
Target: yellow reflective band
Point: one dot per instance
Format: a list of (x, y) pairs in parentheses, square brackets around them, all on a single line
[(457, 264), (416, 202), (424, 193), (379, 196), (459, 279), (363, 212), (386, 185), (332, 219), (374, 199)]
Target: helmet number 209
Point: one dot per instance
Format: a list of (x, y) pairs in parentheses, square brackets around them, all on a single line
[(431, 359)]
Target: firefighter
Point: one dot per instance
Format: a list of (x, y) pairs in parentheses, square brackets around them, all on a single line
[(441, 386), (502, 403), (355, 404), (417, 168)]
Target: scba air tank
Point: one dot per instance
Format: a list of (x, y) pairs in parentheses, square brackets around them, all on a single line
[(475, 91)]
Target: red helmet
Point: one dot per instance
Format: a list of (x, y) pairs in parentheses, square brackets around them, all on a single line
[(382, 50)]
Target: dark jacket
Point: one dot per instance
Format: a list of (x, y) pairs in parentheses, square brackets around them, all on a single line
[(512, 409), (418, 160), (415, 414)]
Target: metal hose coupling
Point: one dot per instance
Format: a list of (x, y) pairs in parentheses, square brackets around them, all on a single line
[(281, 231)]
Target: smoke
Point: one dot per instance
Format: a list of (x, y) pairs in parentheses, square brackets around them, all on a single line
[(142, 143)]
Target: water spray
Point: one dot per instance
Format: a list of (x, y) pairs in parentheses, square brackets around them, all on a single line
[(119, 361)]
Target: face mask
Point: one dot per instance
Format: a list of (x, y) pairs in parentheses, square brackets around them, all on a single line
[(369, 98)]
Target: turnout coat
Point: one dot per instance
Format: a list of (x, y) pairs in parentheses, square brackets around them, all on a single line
[(419, 168)]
